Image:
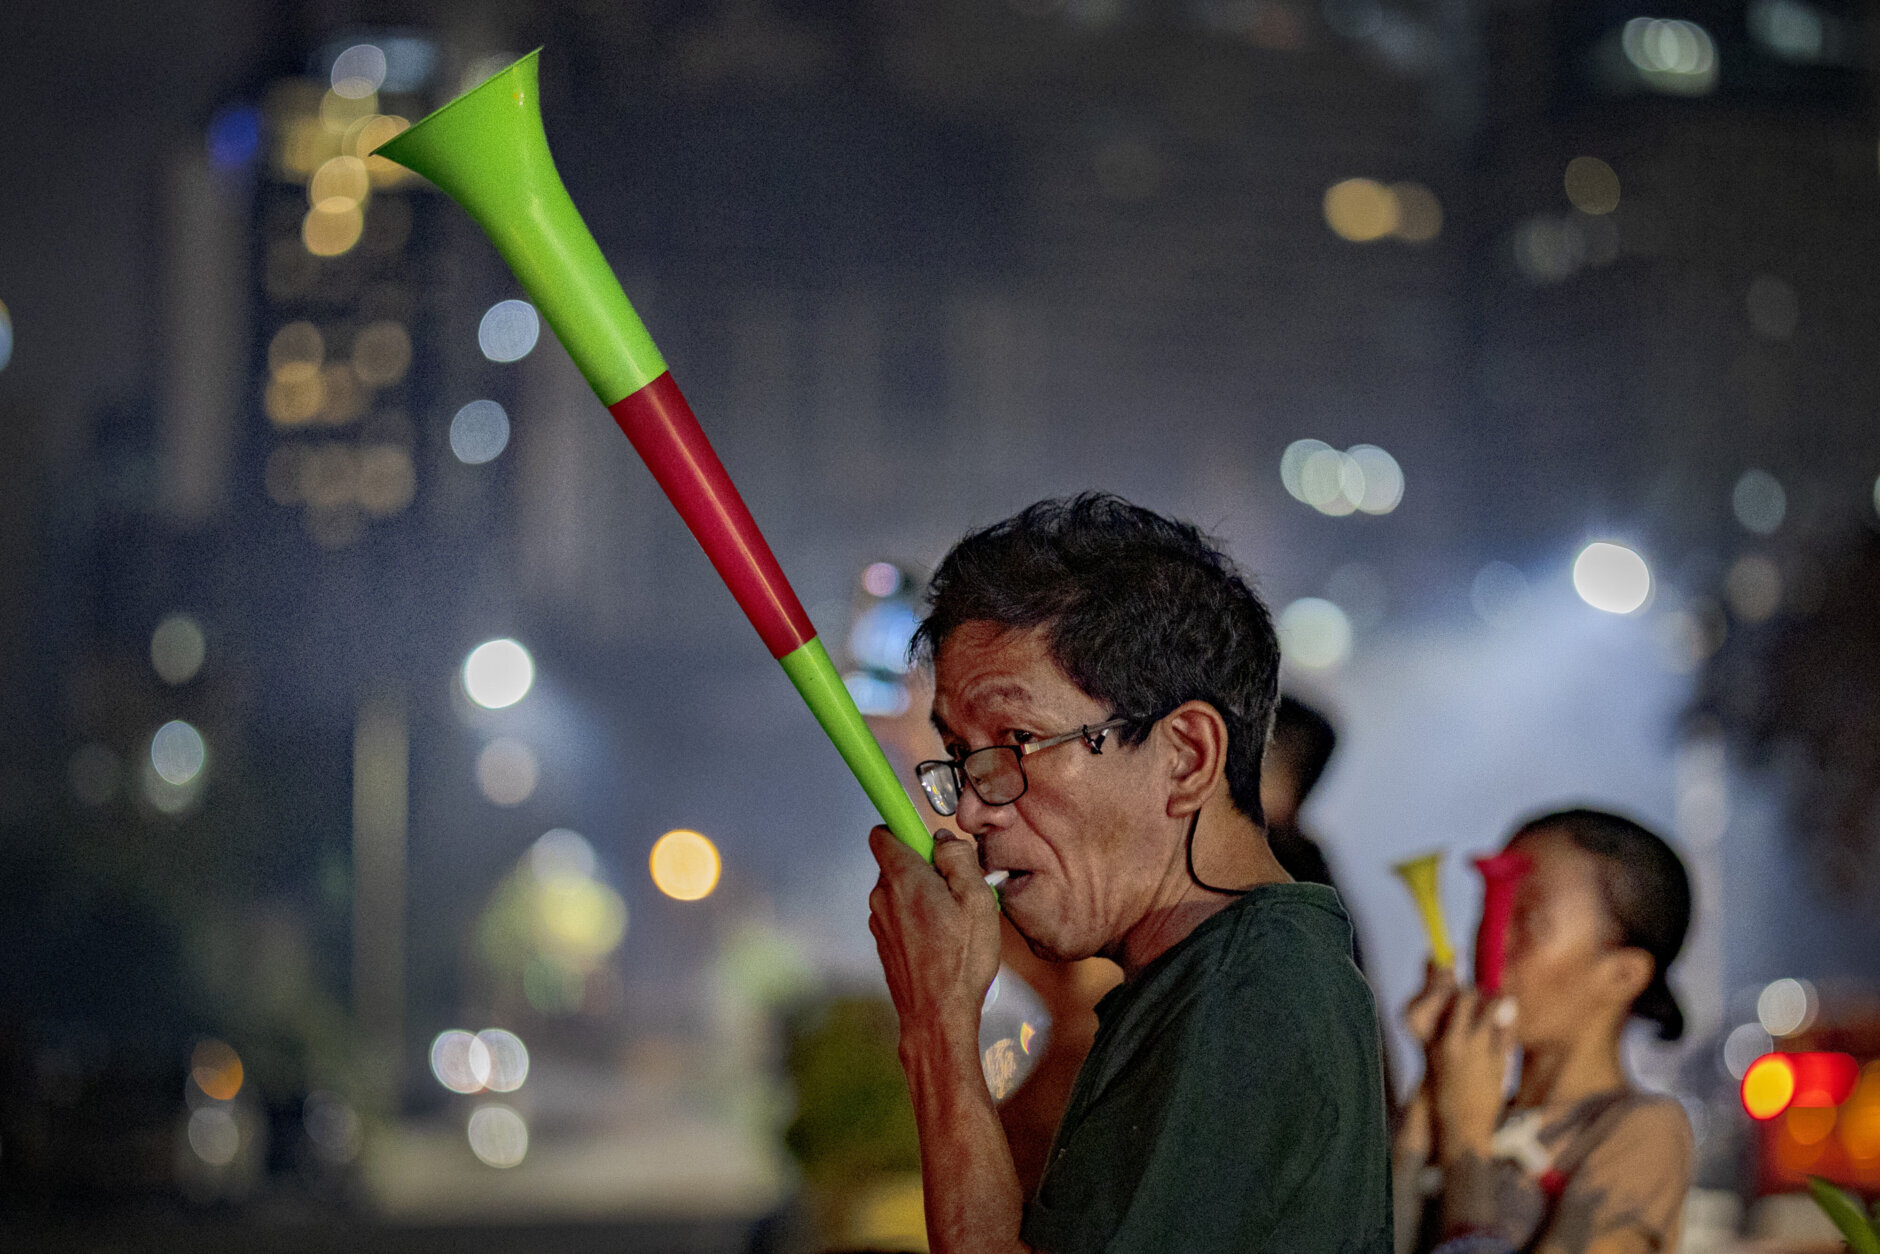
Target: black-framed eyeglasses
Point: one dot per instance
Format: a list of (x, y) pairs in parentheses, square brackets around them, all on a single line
[(997, 772)]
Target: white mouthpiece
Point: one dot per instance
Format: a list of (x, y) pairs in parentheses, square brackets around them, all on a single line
[(997, 878)]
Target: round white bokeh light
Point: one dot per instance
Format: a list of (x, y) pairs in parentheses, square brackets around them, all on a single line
[(1314, 633), (177, 752), (498, 673), (498, 1135), (509, 330), (479, 433), (1611, 577)]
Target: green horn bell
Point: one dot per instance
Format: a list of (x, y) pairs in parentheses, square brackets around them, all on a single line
[(488, 152)]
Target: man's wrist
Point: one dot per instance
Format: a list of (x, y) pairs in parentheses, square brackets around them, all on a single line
[(945, 1044)]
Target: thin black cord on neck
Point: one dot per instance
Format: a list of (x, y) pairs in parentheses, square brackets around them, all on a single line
[(1199, 882)]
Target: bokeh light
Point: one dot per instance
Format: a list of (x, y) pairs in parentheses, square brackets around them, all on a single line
[(880, 636), (509, 1060), (333, 1126), (1744, 1045), (332, 227), (296, 352), (338, 113), (685, 865), (1773, 308), (498, 1135), (1360, 210), (1381, 478), (234, 137), (498, 673), (177, 649), (1672, 56), (1752, 588), (460, 1061), (1786, 1006), (881, 579), (1591, 185), (509, 330), (875, 695), (216, 1069), (1611, 577), (1363, 478), (6, 336), (1419, 213), (1759, 502), (339, 184), (479, 433), (1292, 465), (507, 771), (214, 1136), (177, 752), (1768, 1086), (381, 353), (359, 71), (387, 480), (1499, 595), (1000, 1065), (562, 854), (1314, 633)]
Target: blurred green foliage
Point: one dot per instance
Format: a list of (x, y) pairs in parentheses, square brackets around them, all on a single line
[(854, 1118)]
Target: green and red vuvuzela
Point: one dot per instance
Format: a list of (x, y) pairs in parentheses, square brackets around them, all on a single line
[(488, 152)]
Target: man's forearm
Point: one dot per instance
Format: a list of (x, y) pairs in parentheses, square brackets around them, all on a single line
[(967, 1179)]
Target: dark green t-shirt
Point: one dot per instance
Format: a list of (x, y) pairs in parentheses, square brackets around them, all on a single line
[(1233, 1099)]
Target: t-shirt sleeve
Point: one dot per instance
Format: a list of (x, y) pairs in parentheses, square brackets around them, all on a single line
[(1633, 1182), (1273, 1135)]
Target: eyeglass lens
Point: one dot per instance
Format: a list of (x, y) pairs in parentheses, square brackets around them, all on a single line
[(994, 772)]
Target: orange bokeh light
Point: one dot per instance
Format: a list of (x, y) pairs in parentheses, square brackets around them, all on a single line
[(1768, 1086), (217, 1070)]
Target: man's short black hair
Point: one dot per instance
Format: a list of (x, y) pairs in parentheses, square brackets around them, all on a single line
[(1305, 738), (1141, 612)]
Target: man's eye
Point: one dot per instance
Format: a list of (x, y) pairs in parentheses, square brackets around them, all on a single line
[(1022, 737)]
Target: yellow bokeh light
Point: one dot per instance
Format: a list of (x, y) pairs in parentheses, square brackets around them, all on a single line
[(296, 351), (1592, 185), (294, 399), (329, 477), (217, 1070), (1361, 210), (345, 398), (1768, 1086), (579, 919), (305, 146), (343, 180), (332, 227), (1419, 213), (338, 113), (685, 865), (381, 353), (386, 480), (364, 139)]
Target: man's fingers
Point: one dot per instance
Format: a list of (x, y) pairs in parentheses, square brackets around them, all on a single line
[(958, 861), (894, 857)]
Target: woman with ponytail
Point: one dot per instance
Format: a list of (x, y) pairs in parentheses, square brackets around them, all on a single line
[(1577, 1161)]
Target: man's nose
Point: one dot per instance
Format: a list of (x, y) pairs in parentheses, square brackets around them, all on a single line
[(975, 817)]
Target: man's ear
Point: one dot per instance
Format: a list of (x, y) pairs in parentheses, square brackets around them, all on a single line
[(1195, 736)]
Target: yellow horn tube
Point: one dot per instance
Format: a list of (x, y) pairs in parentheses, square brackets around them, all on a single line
[(1419, 876)]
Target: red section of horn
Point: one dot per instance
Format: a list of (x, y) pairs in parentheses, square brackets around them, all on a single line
[(668, 438)]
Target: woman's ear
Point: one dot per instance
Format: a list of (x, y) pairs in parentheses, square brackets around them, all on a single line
[(1626, 972), (1195, 736)]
